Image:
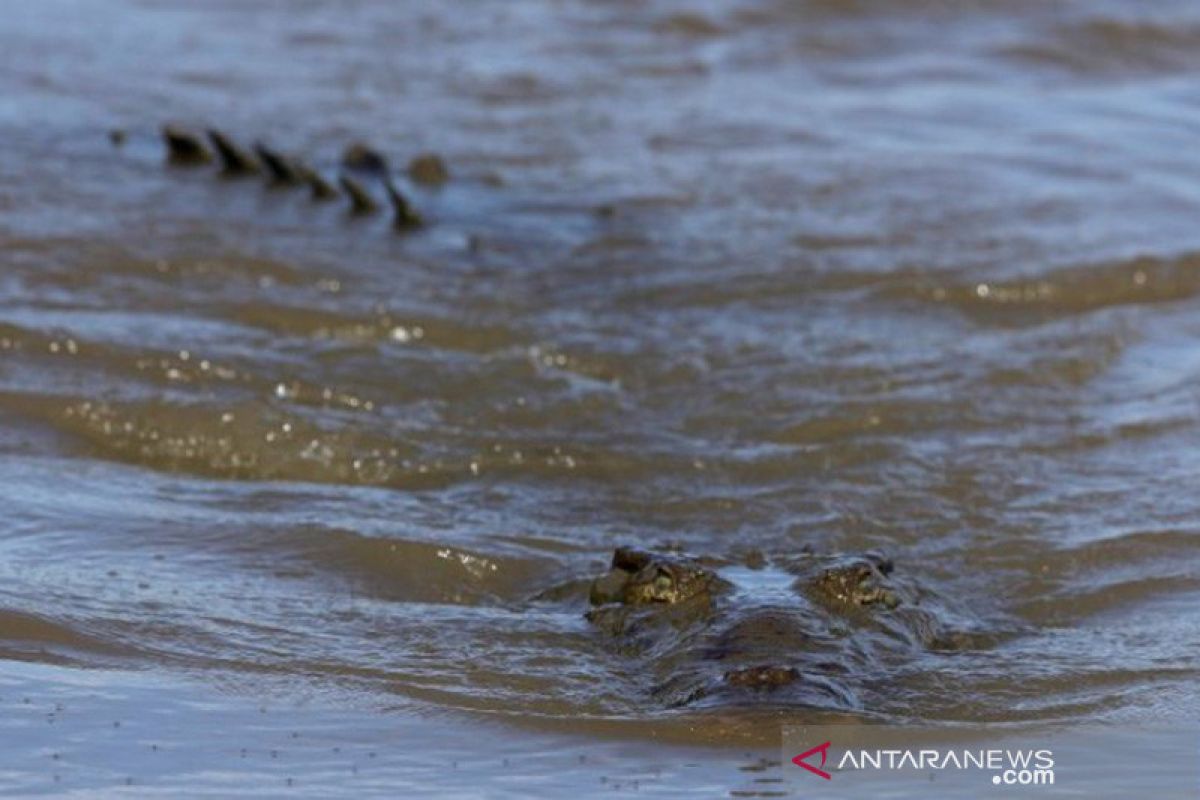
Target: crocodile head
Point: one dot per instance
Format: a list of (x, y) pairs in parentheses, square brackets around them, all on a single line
[(637, 578), (859, 581)]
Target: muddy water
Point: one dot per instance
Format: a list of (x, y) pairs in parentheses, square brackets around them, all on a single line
[(914, 276)]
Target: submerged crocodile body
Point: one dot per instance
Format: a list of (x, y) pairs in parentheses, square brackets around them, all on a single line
[(361, 168), (804, 630)]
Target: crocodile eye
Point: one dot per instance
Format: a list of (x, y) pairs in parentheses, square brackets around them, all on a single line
[(663, 581)]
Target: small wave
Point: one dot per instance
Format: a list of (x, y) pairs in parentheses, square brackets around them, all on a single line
[(246, 441), (689, 24), (1112, 46), (31, 637), (1065, 292), (412, 571), (1114, 572), (894, 418), (257, 441), (382, 326)]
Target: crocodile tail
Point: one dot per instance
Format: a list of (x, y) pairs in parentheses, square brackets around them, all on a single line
[(184, 147), (234, 159), (321, 189), (361, 158), (279, 166), (405, 215), (361, 201)]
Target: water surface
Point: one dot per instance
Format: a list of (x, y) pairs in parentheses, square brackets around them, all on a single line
[(916, 276)]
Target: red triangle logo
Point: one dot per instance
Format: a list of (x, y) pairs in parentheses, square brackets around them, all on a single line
[(823, 749)]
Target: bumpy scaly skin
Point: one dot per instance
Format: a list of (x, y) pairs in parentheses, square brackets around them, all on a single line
[(184, 147), (708, 640), (429, 169), (278, 166), (859, 581), (360, 157), (361, 201), (641, 578), (234, 160), (361, 166)]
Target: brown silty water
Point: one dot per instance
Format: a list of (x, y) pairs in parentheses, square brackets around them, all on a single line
[(761, 283)]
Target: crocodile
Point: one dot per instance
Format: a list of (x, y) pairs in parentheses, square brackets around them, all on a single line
[(361, 167), (809, 630)]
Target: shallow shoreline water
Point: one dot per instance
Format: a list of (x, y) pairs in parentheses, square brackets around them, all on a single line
[(744, 281), (114, 733)]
